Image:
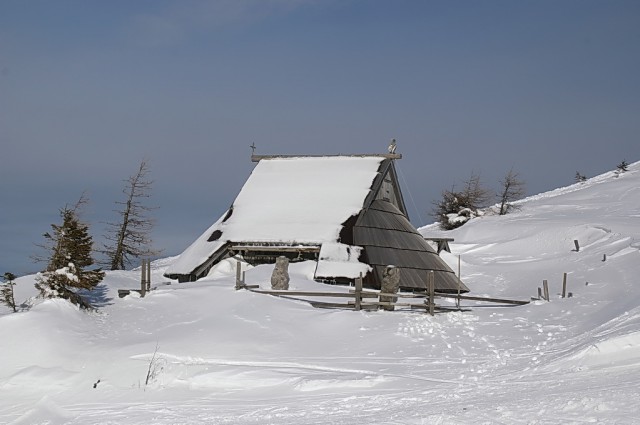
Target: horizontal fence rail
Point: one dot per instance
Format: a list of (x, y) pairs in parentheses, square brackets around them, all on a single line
[(361, 299)]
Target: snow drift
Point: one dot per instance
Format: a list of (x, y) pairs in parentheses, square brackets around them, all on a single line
[(223, 356)]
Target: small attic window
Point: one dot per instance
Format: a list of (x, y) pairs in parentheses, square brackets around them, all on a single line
[(229, 213), (215, 236)]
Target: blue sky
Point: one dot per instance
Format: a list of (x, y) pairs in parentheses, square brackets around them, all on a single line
[(90, 88)]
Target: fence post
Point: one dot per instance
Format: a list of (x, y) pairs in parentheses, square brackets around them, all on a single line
[(431, 289), (545, 287), (358, 292), (238, 275), (143, 278), (148, 275), (575, 242), (564, 285), (459, 282), (539, 293)]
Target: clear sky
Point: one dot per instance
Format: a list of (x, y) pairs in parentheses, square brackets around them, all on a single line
[(88, 89)]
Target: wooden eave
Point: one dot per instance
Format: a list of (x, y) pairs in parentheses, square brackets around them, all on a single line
[(274, 248), (258, 158)]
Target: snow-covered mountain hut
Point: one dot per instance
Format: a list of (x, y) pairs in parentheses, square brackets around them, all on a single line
[(346, 212)]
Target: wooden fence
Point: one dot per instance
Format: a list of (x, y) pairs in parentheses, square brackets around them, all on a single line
[(362, 299), (145, 281), (543, 293)]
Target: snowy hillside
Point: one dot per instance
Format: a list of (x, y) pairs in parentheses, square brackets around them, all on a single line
[(226, 356)]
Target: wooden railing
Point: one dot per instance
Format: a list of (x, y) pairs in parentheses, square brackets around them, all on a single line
[(362, 299)]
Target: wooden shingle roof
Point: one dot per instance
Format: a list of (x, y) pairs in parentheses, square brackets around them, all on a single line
[(388, 238)]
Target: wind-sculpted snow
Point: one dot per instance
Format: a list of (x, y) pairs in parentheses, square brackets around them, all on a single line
[(215, 355)]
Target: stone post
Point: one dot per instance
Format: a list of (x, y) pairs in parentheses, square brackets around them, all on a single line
[(280, 275), (390, 285)]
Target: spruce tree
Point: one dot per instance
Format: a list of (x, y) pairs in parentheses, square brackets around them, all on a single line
[(6, 291), (623, 166), (68, 268)]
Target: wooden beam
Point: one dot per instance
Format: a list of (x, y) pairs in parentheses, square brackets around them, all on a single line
[(258, 158), (492, 300), (276, 248), (358, 292), (306, 293), (431, 290)]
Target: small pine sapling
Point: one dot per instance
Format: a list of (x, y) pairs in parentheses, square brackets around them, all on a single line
[(580, 178), (6, 292), (623, 166)]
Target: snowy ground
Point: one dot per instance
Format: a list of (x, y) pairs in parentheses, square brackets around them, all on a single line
[(226, 356)]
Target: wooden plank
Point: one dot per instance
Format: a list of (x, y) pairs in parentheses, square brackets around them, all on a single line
[(322, 304), (439, 239), (545, 288), (492, 300), (431, 289), (385, 303), (148, 275), (239, 281), (358, 292), (257, 158), (276, 248), (124, 292), (366, 294), (306, 293), (459, 283), (369, 294), (143, 278)]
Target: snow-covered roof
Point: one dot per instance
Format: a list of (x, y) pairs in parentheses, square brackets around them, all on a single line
[(302, 199)]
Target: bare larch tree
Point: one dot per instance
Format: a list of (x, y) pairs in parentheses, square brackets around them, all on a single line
[(512, 188), (130, 237)]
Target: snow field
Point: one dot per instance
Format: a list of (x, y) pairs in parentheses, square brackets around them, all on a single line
[(235, 357)]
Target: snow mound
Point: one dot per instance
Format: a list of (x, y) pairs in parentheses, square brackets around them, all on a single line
[(224, 356)]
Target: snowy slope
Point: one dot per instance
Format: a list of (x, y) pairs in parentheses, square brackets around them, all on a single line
[(226, 356)]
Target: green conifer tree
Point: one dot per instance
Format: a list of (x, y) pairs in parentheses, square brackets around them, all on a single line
[(68, 267), (623, 166), (6, 291)]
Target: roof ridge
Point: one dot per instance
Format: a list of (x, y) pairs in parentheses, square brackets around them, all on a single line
[(258, 158)]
